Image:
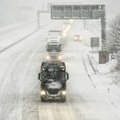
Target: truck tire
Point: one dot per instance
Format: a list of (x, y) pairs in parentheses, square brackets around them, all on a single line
[(64, 86), (42, 86), (63, 99), (43, 99)]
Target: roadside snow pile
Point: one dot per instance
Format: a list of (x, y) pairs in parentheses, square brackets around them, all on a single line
[(113, 65), (108, 67), (108, 81), (103, 68), (108, 87), (115, 76)]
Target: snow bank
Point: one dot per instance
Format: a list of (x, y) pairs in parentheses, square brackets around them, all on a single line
[(102, 68)]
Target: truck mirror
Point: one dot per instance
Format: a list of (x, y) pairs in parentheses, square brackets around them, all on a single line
[(39, 76), (67, 76)]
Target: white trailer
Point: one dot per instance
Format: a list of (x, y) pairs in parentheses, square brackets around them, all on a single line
[(54, 41)]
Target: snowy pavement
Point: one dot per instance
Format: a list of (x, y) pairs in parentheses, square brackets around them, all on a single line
[(17, 92), (20, 87)]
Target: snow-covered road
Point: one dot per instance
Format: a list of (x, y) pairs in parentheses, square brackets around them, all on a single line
[(18, 64), (19, 86)]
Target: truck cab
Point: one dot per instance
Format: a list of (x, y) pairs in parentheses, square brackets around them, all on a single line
[(53, 77)]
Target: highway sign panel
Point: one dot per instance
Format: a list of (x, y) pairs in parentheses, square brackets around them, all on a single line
[(95, 42), (77, 11)]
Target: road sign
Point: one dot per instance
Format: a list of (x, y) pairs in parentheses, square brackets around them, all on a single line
[(95, 42), (77, 11), (103, 57)]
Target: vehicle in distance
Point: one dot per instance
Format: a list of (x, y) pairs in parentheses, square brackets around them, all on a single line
[(77, 38), (53, 47), (53, 77), (54, 41)]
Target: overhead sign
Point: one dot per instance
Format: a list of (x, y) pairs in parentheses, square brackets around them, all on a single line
[(77, 11), (95, 42)]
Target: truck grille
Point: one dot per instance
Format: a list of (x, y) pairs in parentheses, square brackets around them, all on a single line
[(53, 91)]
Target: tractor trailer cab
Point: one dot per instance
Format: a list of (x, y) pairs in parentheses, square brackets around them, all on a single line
[(53, 77)]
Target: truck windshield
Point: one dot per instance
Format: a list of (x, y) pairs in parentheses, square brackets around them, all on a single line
[(56, 75)]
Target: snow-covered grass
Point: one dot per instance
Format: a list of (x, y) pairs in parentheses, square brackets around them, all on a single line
[(104, 68), (110, 68)]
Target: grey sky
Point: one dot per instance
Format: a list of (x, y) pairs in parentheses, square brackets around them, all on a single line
[(12, 10)]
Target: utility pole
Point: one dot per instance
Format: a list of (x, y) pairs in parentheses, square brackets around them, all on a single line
[(103, 30)]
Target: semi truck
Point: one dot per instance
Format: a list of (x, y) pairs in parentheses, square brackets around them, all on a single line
[(53, 77), (54, 41)]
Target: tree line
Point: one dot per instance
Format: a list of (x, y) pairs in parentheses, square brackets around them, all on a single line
[(113, 37)]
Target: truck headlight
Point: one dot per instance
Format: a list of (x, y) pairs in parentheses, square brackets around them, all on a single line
[(75, 38), (64, 34), (60, 58), (47, 57), (63, 92), (43, 92), (68, 27)]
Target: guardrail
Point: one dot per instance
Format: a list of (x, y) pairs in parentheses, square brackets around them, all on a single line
[(92, 62)]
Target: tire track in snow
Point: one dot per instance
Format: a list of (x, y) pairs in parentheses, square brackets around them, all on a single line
[(87, 71), (20, 103), (7, 91), (9, 85)]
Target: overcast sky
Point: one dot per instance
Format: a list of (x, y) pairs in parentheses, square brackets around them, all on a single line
[(11, 10)]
